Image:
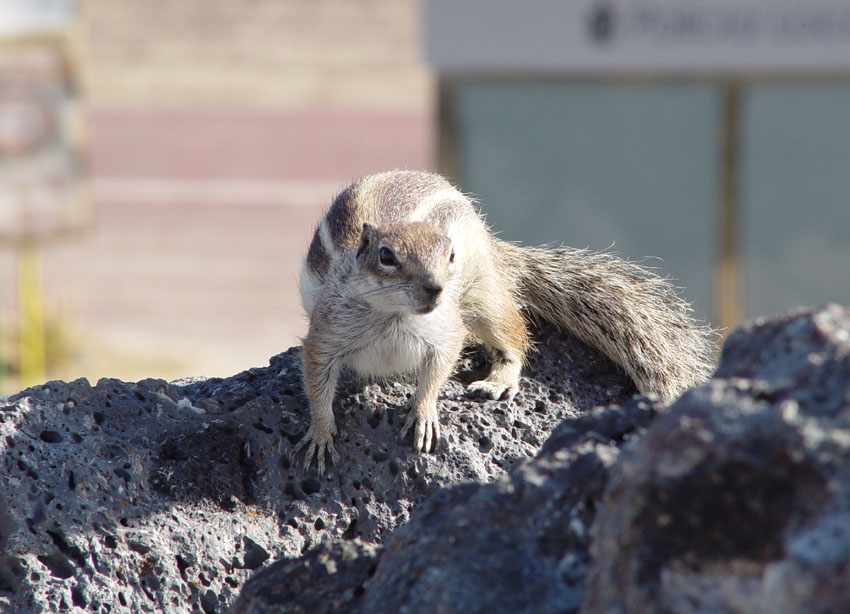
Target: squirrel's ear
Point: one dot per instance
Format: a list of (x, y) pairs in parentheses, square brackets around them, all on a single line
[(365, 238)]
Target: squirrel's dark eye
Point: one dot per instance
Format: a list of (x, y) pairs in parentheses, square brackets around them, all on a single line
[(387, 257), (452, 255)]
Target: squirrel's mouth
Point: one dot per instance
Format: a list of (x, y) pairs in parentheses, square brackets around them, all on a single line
[(427, 308)]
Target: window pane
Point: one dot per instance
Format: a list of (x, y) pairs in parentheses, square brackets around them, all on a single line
[(633, 166), (796, 196)]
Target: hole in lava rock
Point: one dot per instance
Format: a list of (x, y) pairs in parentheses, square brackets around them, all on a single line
[(58, 564), (50, 437), (311, 486)]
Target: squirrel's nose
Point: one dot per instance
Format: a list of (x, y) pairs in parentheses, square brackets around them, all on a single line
[(433, 290)]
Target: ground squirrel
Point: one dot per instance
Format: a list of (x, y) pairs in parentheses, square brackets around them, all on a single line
[(402, 272)]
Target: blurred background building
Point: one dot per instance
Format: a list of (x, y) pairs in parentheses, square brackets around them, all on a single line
[(218, 131), (713, 137)]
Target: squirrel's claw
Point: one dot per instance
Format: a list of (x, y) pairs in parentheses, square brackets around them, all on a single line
[(317, 446), (427, 431), (489, 389)]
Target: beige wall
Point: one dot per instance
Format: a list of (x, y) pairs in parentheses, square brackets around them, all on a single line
[(362, 54)]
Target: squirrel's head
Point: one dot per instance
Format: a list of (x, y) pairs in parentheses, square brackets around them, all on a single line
[(407, 266)]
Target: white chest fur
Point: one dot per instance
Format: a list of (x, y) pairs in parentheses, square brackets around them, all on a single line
[(402, 344)]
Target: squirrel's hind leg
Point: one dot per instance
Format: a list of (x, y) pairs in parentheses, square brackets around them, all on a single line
[(503, 332), (503, 380)]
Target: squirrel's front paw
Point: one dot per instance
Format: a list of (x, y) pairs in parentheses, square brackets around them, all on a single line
[(318, 442), (490, 389), (427, 431)]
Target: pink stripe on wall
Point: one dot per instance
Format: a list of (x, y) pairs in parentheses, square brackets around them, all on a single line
[(216, 143)]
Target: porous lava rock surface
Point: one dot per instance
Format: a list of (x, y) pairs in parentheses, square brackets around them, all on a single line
[(736, 499), (165, 497)]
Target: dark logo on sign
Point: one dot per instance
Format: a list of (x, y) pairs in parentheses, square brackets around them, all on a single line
[(601, 23)]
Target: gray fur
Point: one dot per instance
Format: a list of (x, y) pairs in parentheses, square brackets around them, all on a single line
[(344, 220), (318, 258), (621, 308)]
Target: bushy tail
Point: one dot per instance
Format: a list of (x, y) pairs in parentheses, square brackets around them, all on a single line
[(622, 309)]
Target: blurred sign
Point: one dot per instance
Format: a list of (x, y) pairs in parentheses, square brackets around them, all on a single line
[(722, 37), (43, 185)]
